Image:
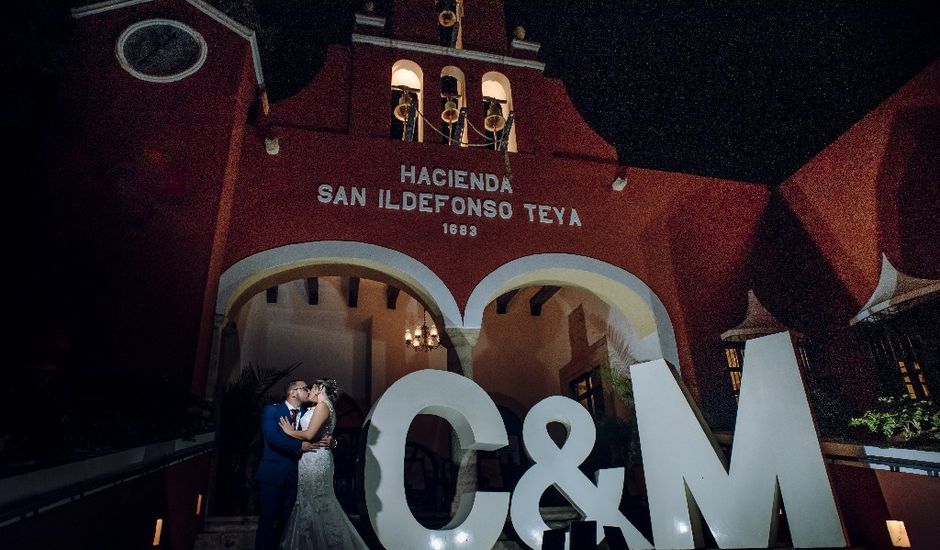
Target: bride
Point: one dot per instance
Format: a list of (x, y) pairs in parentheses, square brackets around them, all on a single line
[(318, 521)]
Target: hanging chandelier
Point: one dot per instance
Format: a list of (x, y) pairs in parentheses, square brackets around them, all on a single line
[(425, 338)]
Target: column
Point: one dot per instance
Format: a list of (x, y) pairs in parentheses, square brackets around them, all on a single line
[(460, 360), (219, 322)]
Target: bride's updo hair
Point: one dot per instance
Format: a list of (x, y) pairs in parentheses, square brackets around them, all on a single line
[(331, 387)]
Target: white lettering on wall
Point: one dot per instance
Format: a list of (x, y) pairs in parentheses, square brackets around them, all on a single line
[(355, 196), (436, 203), (548, 214), (445, 177), (407, 174), (444, 203)]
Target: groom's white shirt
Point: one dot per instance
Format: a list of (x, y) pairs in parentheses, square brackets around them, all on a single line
[(297, 419)]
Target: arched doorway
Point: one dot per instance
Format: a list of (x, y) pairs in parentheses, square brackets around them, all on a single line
[(636, 302), (336, 310), (297, 262), (567, 325), (343, 327)]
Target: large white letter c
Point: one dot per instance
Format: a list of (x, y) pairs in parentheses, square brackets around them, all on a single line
[(473, 415)]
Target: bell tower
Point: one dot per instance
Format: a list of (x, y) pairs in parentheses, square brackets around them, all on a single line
[(444, 73), (477, 25), (450, 81)]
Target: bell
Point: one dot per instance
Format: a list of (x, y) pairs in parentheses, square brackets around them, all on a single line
[(450, 114), (447, 18), (494, 120), (404, 105)]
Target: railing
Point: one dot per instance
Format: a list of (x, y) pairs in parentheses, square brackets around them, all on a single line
[(27, 495), (909, 461)]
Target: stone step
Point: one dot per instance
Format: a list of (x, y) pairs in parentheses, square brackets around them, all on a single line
[(225, 540), (231, 524), (238, 532)]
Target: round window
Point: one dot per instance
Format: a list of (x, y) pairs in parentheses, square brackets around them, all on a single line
[(161, 50)]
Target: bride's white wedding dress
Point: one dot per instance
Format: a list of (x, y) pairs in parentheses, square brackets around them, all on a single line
[(318, 522)]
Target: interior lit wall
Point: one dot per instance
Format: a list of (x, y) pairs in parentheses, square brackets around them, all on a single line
[(362, 347), (519, 355)]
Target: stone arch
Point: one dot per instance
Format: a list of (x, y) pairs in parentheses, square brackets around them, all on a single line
[(258, 271), (625, 292)]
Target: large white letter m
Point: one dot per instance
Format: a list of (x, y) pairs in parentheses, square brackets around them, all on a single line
[(775, 454)]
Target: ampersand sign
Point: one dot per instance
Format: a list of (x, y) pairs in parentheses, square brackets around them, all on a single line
[(559, 467)]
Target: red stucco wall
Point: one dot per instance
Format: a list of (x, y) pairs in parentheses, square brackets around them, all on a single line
[(877, 189), (142, 166), (915, 500)]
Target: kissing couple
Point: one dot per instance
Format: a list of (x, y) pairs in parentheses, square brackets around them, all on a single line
[(295, 478)]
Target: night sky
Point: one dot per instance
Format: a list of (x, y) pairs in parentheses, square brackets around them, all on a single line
[(748, 91)]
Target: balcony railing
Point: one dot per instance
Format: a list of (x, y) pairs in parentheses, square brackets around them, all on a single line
[(37, 492)]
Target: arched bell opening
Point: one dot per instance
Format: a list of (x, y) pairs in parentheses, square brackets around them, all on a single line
[(453, 106), (449, 23), (407, 101), (498, 111)]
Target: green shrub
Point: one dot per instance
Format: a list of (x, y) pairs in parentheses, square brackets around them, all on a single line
[(902, 418)]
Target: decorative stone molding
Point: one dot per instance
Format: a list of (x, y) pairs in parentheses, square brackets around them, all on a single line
[(442, 50), (525, 45), (757, 322), (896, 291), (154, 73)]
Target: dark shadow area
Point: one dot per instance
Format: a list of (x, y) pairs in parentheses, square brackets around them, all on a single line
[(793, 280), (908, 192)]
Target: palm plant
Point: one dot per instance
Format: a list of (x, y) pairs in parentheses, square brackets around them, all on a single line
[(239, 434)]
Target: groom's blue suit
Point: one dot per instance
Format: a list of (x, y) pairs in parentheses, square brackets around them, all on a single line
[(276, 477)]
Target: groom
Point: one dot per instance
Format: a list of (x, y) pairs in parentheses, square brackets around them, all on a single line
[(277, 473)]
